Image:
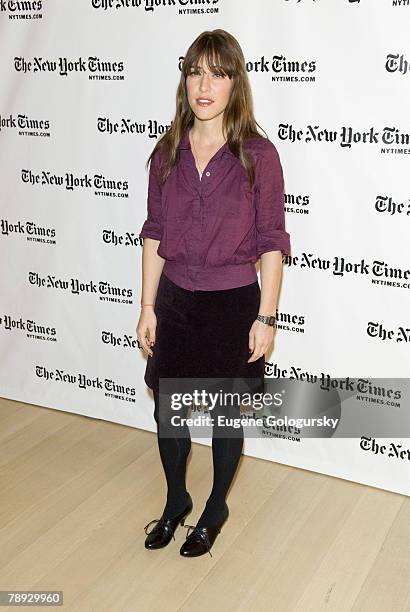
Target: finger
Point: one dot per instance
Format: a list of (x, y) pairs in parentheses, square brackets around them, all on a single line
[(251, 342), (151, 332), (146, 347), (257, 354), (145, 343), (254, 358)]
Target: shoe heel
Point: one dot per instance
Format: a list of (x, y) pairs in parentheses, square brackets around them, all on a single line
[(182, 521)]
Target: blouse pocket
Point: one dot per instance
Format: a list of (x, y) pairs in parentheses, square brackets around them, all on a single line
[(235, 200)]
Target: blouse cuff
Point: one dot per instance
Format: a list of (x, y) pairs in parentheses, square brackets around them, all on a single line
[(150, 229), (277, 240)]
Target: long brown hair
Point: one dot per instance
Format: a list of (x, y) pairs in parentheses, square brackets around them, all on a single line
[(223, 50)]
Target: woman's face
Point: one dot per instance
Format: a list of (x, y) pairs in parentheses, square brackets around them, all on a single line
[(204, 84)]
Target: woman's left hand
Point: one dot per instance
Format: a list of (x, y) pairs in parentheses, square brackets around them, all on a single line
[(260, 338)]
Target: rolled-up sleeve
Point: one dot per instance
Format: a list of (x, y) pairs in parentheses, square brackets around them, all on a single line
[(271, 234), (152, 226)]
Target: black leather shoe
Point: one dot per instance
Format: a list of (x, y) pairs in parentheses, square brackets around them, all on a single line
[(201, 539), (164, 530)]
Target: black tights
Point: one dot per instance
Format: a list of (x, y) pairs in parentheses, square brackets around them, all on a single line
[(174, 451)]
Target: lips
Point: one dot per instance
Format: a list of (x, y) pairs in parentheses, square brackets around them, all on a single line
[(204, 101)]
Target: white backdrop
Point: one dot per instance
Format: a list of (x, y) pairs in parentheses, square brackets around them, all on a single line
[(86, 89)]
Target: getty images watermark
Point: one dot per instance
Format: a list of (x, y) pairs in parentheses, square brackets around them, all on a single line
[(320, 407), (209, 404)]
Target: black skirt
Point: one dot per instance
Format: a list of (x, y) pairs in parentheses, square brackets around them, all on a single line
[(203, 334)]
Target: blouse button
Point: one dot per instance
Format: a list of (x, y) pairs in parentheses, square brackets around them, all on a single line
[(207, 174)]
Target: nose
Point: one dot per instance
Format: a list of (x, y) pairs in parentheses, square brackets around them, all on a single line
[(204, 82)]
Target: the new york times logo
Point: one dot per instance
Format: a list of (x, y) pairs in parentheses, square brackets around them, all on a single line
[(80, 380), (25, 228), (396, 62), (23, 123), (341, 266), (103, 289), (379, 331), (31, 327), (110, 236), (347, 137), (70, 181), (64, 66), (148, 5), (15, 7), (386, 204), (393, 450)]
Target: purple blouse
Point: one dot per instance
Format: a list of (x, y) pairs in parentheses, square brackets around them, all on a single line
[(211, 230)]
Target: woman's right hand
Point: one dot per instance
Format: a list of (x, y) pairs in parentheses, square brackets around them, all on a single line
[(146, 328)]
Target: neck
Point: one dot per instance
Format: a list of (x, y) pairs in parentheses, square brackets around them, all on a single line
[(207, 133)]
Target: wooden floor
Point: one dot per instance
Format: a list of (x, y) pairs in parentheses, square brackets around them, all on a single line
[(76, 493)]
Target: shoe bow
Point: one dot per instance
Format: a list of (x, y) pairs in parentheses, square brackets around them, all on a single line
[(161, 523), (199, 533)]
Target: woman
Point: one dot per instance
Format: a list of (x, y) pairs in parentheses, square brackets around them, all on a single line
[(215, 206)]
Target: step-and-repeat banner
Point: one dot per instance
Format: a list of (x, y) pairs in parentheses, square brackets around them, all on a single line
[(88, 86)]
